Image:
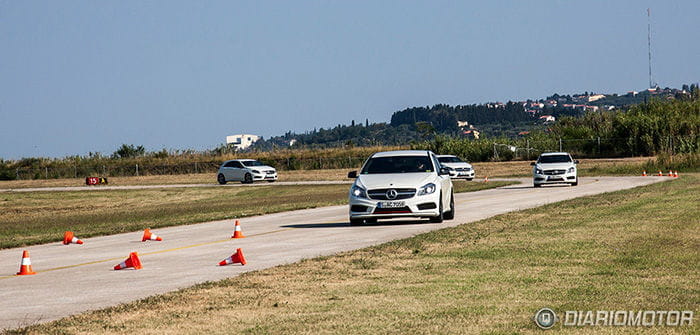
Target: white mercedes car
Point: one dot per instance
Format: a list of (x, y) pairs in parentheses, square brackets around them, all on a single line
[(554, 168), (458, 168), (246, 171), (396, 184)]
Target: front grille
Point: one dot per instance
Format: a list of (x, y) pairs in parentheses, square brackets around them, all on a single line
[(270, 172), (358, 208), (554, 172), (392, 210), (463, 169), (402, 193)]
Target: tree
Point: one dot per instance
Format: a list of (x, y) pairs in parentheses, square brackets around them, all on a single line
[(129, 151)]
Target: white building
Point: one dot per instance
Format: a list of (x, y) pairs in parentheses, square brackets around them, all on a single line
[(242, 141)]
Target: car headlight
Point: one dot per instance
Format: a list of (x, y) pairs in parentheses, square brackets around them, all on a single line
[(256, 171), (449, 168), (538, 171), (427, 189), (358, 192), (571, 170)]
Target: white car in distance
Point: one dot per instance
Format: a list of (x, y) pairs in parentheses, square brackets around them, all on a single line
[(458, 168), (401, 184), (554, 168), (246, 171)]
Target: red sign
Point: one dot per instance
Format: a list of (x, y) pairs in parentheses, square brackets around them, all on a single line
[(95, 181)]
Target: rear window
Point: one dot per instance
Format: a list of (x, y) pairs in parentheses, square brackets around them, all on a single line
[(555, 159), (398, 164)]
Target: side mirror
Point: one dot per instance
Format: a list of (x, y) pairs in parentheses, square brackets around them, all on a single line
[(533, 163), (352, 174), (576, 161), (444, 171)]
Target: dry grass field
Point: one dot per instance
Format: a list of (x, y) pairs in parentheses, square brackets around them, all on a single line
[(627, 250)]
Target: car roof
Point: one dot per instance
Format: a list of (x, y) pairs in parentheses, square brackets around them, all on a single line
[(240, 160), (441, 156), (554, 153), (402, 153)]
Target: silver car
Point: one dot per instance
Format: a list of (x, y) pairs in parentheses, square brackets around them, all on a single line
[(554, 168), (246, 171)]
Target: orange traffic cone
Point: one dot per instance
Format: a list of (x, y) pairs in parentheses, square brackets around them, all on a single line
[(486, 179), (670, 173), (147, 235), (237, 233), (132, 262), (26, 267), (660, 174), (237, 257), (675, 174), (644, 173), (69, 238)]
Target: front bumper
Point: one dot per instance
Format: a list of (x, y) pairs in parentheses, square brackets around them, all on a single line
[(462, 174), (423, 206), (566, 178), (264, 176)]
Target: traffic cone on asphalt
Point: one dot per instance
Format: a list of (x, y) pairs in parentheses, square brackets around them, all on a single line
[(25, 267), (132, 262), (148, 236), (660, 174), (675, 174), (486, 179), (644, 173), (237, 257), (237, 233), (69, 238), (670, 173)]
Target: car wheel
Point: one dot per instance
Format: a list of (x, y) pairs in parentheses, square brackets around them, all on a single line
[(221, 179), (247, 179), (440, 217), (373, 220), (537, 185), (270, 181), (451, 213), (575, 183), (356, 222), (470, 179)]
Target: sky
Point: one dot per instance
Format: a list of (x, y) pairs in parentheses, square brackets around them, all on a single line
[(87, 76)]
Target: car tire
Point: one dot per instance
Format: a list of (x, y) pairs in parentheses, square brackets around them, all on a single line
[(356, 222), (537, 185), (440, 217), (221, 179), (270, 181), (451, 213), (575, 183), (470, 179), (372, 220), (247, 179)]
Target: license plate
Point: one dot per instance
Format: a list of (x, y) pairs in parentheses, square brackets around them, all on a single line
[(391, 204), (555, 178)]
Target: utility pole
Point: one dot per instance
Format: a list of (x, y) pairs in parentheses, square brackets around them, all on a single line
[(651, 81)]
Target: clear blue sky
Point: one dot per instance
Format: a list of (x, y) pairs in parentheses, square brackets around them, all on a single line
[(82, 76)]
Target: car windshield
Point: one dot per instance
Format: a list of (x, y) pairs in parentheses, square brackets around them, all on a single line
[(555, 159), (398, 164), (451, 159), (252, 163)]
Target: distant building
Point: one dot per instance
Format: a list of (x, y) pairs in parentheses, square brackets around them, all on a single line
[(242, 141), (596, 97), (548, 118), (462, 123)]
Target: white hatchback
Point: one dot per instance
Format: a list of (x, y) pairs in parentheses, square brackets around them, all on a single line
[(458, 168), (246, 171), (554, 168), (395, 184)]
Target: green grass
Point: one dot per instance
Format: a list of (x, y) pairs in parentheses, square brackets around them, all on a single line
[(636, 249), (41, 217)]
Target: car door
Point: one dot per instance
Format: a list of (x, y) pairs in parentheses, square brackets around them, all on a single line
[(237, 171), (227, 170)]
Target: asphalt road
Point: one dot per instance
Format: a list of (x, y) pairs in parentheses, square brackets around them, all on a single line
[(77, 278)]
